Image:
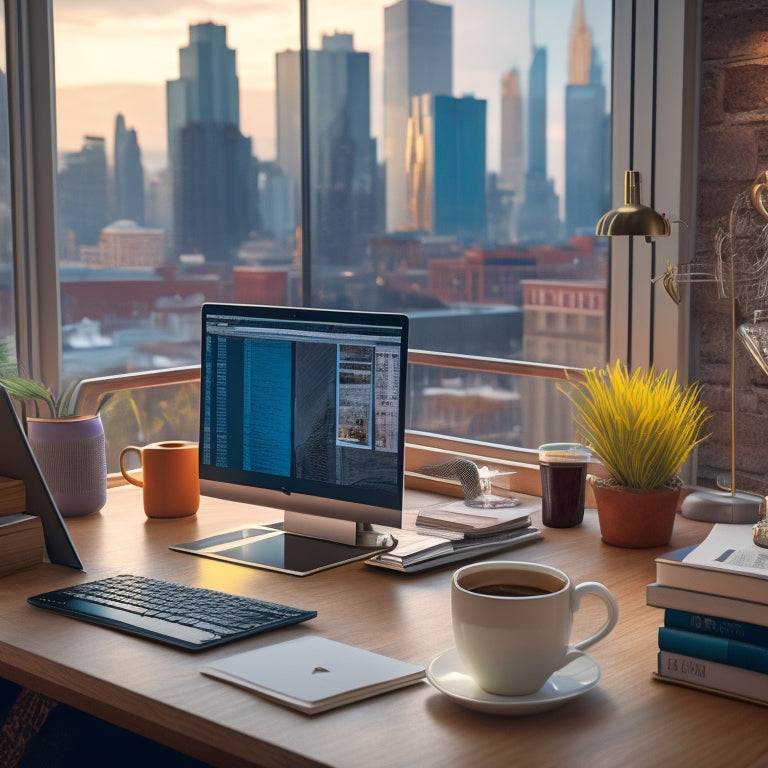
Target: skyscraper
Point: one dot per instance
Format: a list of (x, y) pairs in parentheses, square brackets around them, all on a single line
[(129, 175), (341, 153), (82, 194), (512, 174), (510, 188), (207, 89), (538, 219), (446, 166), (418, 59), (587, 168), (208, 156)]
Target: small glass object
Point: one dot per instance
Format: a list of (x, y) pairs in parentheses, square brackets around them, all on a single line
[(487, 499)]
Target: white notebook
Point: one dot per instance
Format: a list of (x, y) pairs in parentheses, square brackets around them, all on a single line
[(314, 674)]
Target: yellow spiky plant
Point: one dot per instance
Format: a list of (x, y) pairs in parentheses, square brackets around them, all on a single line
[(642, 425)]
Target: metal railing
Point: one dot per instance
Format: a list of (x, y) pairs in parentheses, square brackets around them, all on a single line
[(421, 447), (90, 394)]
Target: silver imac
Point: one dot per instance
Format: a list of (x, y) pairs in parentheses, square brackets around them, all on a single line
[(303, 410)]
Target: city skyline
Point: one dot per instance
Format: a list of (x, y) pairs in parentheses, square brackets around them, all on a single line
[(489, 39)]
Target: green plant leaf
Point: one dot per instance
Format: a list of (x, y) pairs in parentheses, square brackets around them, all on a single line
[(27, 389)]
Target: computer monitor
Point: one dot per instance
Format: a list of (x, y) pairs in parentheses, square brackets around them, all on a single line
[(303, 410)]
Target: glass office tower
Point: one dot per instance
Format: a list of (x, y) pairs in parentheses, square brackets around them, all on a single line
[(539, 220), (418, 59), (511, 181), (587, 168), (128, 175), (208, 156), (82, 186), (446, 166), (342, 159)]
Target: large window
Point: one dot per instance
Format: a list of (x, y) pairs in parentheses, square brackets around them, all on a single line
[(167, 189), (446, 160)]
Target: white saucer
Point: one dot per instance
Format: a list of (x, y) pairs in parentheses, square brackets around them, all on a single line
[(448, 674)]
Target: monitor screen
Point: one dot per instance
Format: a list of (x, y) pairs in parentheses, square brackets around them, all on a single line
[(304, 410)]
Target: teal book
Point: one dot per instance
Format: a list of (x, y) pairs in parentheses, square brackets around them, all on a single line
[(719, 627), (723, 650)]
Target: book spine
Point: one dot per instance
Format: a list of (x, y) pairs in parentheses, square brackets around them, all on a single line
[(717, 626), (712, 675), (732, 584), (661, 596), (711, 648)]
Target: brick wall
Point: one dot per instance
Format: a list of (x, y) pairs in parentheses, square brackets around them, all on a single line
[(733, 150)]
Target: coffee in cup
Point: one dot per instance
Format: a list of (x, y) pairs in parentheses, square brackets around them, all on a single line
[(512, 623), (169, 477)]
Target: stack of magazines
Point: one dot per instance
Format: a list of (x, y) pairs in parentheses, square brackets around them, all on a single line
[(715, 600), (446, 533)]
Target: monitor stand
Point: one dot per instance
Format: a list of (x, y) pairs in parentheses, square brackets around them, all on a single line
[(326, 528), (301, 545)]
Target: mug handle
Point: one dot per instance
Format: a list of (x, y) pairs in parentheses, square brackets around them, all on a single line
[(611, 605), (126, 473)]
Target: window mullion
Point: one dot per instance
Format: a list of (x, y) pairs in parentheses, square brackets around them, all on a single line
[(305, 216), (29, 28), (646, 327)]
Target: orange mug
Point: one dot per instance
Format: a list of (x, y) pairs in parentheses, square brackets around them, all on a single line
[(169, 477)]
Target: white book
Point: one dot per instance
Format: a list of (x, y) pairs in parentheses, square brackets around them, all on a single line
[(314, 674), (713, 676), (727, 563)]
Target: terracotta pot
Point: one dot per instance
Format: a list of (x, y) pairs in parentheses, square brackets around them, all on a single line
[(70, 452), (630, 518)]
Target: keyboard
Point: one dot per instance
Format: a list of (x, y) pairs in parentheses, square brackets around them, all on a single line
[(177, 614)]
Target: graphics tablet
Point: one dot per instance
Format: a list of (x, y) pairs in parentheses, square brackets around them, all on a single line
[(17, 461)]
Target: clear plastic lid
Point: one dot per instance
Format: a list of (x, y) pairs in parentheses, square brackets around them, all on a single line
[(564, 452)]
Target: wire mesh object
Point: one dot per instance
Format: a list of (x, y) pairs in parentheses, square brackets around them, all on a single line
[(740, 272)]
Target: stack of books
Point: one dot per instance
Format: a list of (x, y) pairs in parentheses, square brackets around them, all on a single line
[(715, 600), (21, 535)]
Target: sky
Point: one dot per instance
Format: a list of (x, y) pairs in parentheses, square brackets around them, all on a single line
[(116, 55)]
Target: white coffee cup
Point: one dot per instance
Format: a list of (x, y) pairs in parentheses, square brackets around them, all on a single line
[(512, 623)]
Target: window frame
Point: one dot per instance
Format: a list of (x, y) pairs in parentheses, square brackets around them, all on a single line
[(656, 54), (31, 108), (654, 129)]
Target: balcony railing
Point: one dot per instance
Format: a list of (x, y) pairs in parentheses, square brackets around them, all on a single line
[(422, 447)]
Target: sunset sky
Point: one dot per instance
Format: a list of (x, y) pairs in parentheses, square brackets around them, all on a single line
[(116, 55)]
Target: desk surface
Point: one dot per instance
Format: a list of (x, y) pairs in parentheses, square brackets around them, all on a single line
[(628, 719)]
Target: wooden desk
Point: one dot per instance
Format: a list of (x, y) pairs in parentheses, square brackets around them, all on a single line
[(627, 720)]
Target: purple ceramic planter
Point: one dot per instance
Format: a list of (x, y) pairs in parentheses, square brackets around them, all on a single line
[(72, 457)]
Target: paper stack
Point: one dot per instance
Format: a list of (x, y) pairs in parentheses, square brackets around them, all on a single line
[(454, 531)]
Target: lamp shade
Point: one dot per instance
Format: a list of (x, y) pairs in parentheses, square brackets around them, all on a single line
[(632, 218)]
